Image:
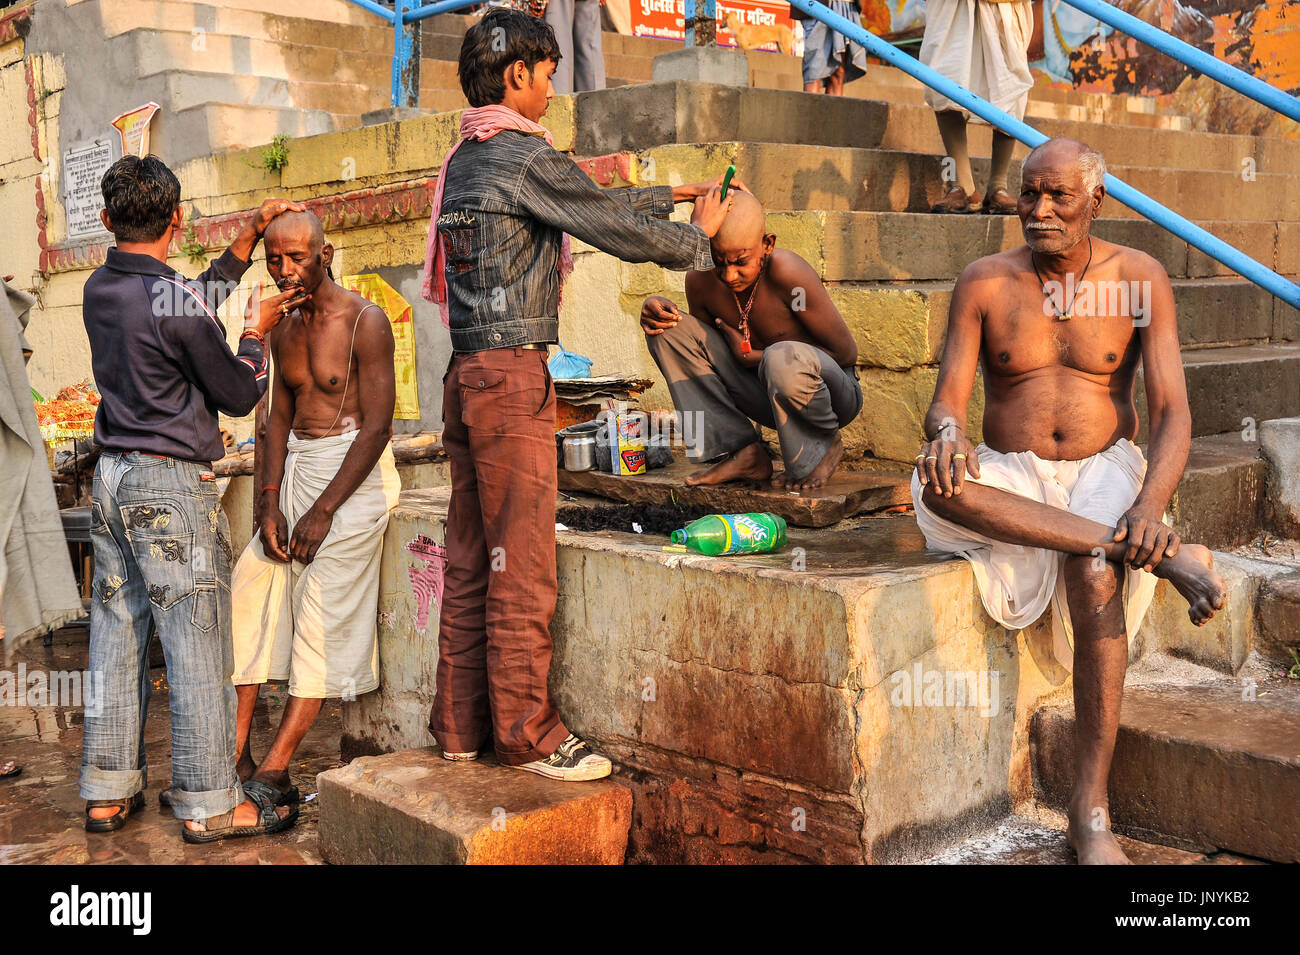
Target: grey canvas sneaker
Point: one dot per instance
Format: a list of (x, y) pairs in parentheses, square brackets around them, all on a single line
[(573, 761)]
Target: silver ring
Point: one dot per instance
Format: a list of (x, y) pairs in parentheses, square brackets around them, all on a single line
[(932, 457)]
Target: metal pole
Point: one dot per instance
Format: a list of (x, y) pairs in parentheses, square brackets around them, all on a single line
[(1188, 55), (1189, 232), (406, 56), (701, 27), (433, 9)]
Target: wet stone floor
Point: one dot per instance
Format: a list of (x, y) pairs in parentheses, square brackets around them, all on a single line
[(42, 814)]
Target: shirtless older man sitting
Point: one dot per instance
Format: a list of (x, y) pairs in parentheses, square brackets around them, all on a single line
[(305, 590), (763, 341), (1058, 496)]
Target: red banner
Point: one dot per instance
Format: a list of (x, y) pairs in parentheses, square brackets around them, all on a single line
[(664, 18)]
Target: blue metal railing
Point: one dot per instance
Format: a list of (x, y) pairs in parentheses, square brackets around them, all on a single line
[(405, 17), (1139, 202)]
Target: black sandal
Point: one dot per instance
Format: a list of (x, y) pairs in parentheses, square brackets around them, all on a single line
[(118, 819), (268, 820), (289, 797)]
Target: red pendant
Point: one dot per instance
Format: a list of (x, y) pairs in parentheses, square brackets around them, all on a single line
[(745, 348)]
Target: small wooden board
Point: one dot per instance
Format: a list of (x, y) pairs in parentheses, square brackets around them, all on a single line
[(849, 493)]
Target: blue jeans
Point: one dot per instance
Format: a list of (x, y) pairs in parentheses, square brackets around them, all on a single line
[(162, 562)]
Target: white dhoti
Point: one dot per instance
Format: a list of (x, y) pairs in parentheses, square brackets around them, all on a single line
[(983, 46), (314, 624), (1016, 583)]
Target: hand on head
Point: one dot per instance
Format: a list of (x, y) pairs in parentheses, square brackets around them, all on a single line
[(711, 209), (271, 208)]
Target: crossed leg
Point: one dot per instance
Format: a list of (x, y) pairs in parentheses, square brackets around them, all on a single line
[(1094, 593)]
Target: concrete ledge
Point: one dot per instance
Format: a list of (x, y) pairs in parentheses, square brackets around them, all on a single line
[(416, 808), (757, 707)]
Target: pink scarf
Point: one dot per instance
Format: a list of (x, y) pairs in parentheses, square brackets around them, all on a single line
[(481, 123)]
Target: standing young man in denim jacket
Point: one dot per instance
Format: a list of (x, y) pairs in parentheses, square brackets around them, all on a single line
[(162, 551), (498, 254)]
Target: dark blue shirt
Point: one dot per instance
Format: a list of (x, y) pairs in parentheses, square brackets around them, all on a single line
[(160, 356)]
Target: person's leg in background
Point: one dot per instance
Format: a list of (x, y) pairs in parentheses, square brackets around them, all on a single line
[(952, 129), (588, 58), (113, 759), (176, 526), (559, 14), (460, 719)]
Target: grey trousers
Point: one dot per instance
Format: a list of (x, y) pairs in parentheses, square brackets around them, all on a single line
[(577, 30), (797, 389)]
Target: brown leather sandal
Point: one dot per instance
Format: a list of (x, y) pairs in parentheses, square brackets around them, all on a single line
[(999, 202), (118, 819), (957, 202)]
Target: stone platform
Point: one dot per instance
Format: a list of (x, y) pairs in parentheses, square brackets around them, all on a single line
[(847, 494), (416, 808), (772, 708)]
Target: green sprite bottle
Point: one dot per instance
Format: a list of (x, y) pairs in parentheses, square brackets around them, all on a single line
[(733, 534)]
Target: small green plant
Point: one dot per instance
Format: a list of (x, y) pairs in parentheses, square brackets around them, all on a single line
[(1294, 672), (275, 156), (194, 250)]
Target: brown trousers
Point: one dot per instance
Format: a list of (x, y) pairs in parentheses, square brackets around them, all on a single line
[(494, 641)]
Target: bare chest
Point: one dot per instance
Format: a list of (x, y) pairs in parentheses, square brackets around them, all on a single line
[(316, 358), (1033, 331)]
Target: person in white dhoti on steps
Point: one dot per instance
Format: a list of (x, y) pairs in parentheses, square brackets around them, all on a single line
[(982, 45), (305, 590)]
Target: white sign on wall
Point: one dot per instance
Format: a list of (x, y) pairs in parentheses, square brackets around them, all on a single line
[(83, 169)]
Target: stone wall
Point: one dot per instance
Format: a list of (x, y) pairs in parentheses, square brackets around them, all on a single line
[(372, 187), (759, 709)]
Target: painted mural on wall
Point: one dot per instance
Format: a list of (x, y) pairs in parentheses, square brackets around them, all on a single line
[(1261, 37)]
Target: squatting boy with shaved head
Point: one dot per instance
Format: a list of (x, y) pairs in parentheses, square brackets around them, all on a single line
[(762, 341)]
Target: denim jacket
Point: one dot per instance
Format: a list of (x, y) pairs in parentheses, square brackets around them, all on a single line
[(505, 204)]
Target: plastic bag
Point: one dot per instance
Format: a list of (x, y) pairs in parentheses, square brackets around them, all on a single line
[(568, 364)]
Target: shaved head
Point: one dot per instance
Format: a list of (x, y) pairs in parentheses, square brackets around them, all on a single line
[(744, 225), (1063, 153), (304, 226), (296, 251)]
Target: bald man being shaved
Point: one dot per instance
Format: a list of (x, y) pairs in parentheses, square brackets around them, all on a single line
[(761, 341), (306, 588)]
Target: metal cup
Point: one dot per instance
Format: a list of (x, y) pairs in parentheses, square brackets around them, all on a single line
[(579, 453)]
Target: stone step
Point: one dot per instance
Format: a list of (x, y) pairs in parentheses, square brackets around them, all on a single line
[(1280, 441), (185, 89), (834, 761), (162, 50), (788, 176), (648, 115), (1219, 502), (1200, 767), (1279, 619), (235, 125), (773, 71), (1233, 388), (416, 808), (337, 24), (1227, 390), (902, 326), (1018, 840), (875, 246), (333, 11)]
